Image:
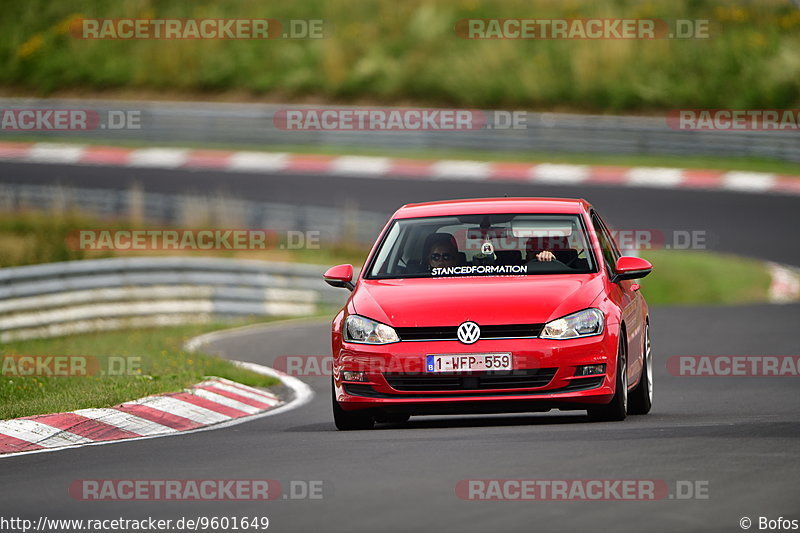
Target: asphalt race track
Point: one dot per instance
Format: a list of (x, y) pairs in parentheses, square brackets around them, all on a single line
[(736, 436)]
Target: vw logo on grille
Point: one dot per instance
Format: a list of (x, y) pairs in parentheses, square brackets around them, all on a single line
[(468, 332)]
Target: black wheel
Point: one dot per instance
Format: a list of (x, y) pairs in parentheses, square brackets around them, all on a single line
[(641, 398), (617, 409), (349, 420), (392, 418)]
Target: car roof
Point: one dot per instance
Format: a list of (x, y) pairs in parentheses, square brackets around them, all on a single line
[(479, 206)]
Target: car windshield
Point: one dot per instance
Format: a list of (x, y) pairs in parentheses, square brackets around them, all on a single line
[(483, 245)]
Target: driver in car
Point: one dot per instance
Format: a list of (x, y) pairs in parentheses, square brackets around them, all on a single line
[(441, 250)]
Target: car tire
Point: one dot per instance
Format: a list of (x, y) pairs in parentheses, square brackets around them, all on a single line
[(641, 398), (617, 409), (349, 420)]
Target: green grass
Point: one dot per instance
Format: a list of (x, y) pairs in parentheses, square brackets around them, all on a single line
[(689, 277), (165, 367), (30, 238), (384, 51)]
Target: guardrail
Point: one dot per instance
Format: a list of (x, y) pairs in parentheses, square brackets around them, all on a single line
[(252, 125), (71, 297)]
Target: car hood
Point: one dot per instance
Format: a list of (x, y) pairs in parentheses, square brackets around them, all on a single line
[(485, 300)]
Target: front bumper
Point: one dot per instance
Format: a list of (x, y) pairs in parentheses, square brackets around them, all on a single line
[(543, 376)]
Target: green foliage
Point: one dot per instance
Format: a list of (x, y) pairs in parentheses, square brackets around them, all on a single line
[(385, 51), (34, 237)]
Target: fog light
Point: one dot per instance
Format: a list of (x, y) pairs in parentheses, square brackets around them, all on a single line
[(590, 370), (354, 376)]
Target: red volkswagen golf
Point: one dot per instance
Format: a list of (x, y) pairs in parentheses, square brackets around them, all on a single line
[(488, 306)]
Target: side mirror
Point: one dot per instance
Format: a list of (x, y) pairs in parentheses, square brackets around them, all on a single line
[(628, 267), (340, 276)]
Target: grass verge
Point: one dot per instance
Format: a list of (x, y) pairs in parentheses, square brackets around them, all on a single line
[(165, 367), (33, 237), (690, 277)]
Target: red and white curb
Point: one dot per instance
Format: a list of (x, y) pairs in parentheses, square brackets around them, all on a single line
[(785, 284), (375, 167), (212, 404)]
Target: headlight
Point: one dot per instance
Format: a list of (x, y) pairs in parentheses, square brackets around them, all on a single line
[(581, 324), (366, 331)]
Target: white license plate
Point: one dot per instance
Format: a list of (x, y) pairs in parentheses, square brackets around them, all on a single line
[(468, 362)]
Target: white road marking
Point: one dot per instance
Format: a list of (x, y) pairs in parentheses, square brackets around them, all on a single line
[(41, 434), (224, 400), (158, 157), (655, 177), (460, 170), (263, 161), (55, 153), (125, 421), (550, 173), (748, 181), (245, 393), (178, 407), (361, 166)]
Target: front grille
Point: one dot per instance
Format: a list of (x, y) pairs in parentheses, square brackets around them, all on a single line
[(448, 333), (507, 379)]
